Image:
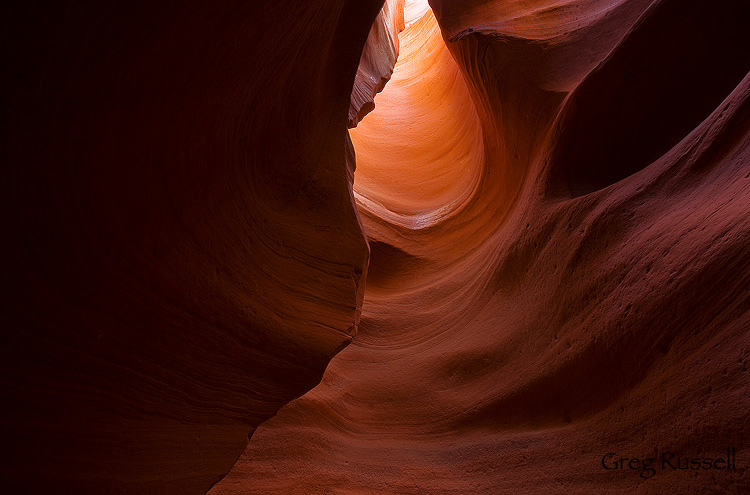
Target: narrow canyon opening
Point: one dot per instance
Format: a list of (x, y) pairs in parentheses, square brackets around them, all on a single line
[(419, 153), (553, 196)]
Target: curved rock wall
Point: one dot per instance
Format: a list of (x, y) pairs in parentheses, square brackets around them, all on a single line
[(182, 252), (378, 58), (556, 202), (419, 154), (588, 295)]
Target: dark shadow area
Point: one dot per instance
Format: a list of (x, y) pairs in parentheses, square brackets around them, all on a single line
[(643, 100)]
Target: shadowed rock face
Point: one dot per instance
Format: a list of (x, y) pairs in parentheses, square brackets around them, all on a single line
[(182, 251), (556, 198)]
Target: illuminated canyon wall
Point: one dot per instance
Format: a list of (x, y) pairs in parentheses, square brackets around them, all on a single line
[(542, 258)]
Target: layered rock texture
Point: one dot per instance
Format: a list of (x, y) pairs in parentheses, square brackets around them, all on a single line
[(377, 60), (557, 201), (544, 256)]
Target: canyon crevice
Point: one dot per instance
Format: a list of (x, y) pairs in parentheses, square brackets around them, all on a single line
[(530, 248)]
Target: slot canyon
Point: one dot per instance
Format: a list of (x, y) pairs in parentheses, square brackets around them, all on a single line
[(376, 247)]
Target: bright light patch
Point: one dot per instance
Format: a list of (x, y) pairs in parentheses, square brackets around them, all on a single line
[(414, 10), (420, 152)]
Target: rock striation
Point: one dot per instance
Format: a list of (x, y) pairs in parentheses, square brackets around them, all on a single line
[(378, 58), (584, 292), (544, 251)]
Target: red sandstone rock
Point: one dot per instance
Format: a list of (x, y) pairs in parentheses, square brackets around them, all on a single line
[(419, 154), (556, 197), (378, 58), (589, 295), (182, 251)]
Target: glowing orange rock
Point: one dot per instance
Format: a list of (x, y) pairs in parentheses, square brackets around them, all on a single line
[(419, 154)]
